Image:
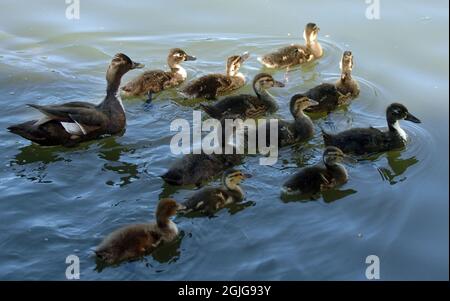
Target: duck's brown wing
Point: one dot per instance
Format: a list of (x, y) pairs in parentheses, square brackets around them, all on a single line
[(208, 86), (153, 81), (242, 106), (359, 140), (207, 200), (326, 95), (309, 180), (78, 118), (287, 56)]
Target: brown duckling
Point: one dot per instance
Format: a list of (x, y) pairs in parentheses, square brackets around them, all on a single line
[(314, 179), (212, 85), (247, 106), (154, 81), (73, 122), (362, 141), (295, 54), (331, 96), (210, 199), (301, 129), (134, 241)]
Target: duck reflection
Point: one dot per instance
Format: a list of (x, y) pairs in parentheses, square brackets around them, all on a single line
[(166, 253), (328, 196), (397, 167)]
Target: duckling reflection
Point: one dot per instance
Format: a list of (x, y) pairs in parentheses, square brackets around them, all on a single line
[(397, 167)]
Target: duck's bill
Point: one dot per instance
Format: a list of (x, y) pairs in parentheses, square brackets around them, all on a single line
[(245, 57), (312, 102), (190, 58), (247, 176), (412, 118), (278, 84), (181, 207), (137, 65)]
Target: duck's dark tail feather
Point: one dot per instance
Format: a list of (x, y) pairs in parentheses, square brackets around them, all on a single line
[(211, 111), (27, 130), (173, 177)]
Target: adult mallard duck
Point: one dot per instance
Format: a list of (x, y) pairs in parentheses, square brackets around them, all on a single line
[(134, 241), (296, 54), (154, 81), (331, 96), (73, 122), (212, 85), (362, 141), (247, 106)]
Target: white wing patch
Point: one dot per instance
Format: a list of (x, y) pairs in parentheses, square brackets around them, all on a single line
[(73, 128)]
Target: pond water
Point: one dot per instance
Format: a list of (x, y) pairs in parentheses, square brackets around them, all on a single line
[(60, 201)]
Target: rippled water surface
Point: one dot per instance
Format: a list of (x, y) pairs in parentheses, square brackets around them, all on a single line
[(55, 201)]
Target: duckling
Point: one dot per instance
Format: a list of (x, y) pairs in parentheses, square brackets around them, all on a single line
[(155, 81), (73, 122), (134, 241), (314, 179), (212, 85), (331, 96), (361, 141), (301, 129), (295, 54), (210, 199), (247, 106)]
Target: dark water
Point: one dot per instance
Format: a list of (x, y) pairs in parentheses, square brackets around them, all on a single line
[(55, 202)]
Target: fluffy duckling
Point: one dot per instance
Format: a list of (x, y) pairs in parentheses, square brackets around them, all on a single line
[(73, 122), (295, 54), (328, 174), (210, 199), (134, 241), (331, 96), (361, 141), (155, 81), (247, 106), (212, 85)]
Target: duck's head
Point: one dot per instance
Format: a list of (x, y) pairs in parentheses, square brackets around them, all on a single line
[(121, 64), (346, 64), (235, 62), (232, 178), (177, 56), (167, 208), (397, 111), (266, 81), (333, 155), (300, 102), (311, 32)]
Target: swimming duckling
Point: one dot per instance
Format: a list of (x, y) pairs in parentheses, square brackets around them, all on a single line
[(311, 180), (301, 129), (371, 140), (212, 85), (73, 122), (155, 81), (331, 96), (210, 199), (247, 106), (295, 54), (134, 241)]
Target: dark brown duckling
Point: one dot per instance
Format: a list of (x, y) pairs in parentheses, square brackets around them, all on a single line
[(331, 96), (295, 54), (212, 85), (73, 122), (301, 129), (362, 141), (134, 241), (155, 81), (314, 179), (211, 199), (247, 106)]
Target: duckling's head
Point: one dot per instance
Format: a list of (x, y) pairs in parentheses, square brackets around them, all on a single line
[(177, 56), (235, 62), (266, 81), (121, 64), (346, 63), (311, 32), (300, 102), (397, 111), (167, 208), (232, 178), (333, 155)]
